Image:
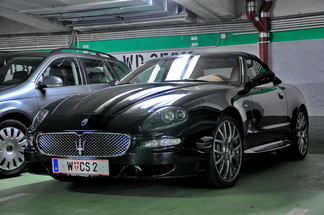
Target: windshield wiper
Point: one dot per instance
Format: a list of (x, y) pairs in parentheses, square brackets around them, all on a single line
[(185, 80)]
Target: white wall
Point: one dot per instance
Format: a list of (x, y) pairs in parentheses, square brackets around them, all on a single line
[(286, 7), (302, 64), (295, 7)]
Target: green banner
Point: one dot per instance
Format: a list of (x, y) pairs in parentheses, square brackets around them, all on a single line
[(202, 40)]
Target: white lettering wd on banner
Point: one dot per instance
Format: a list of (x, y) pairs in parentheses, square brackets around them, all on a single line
[(134, 60)]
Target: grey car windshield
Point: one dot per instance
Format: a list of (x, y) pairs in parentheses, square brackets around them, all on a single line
[(17, 69), (221, 69)]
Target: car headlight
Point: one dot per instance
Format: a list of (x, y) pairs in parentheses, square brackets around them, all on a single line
[(165, 118), (40, 116), (163, 142)]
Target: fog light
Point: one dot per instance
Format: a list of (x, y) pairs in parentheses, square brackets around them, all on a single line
[(158, 143)]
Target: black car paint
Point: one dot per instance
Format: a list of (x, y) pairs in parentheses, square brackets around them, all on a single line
[(123, 108)]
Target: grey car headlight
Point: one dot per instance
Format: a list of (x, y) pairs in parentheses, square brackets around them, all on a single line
[(40, 116), (165, 118), (162, 142)]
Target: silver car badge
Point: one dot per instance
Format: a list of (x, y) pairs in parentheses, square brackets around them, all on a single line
[(80, 146)]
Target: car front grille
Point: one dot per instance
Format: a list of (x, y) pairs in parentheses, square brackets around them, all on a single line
[(97, 144)]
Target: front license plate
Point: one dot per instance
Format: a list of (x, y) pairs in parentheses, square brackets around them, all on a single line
[(80, 166)]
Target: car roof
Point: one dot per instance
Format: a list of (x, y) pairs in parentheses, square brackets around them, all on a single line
[(71, 51), (230, 54), (227, 54), (235, 53)]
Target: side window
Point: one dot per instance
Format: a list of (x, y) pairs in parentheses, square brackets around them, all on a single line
[(253, 68), (17, 69), (119, 67), (97, 71), (65, 68), (216, 68)]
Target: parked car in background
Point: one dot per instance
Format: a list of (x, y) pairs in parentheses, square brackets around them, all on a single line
[(195, 114), (30, 80)]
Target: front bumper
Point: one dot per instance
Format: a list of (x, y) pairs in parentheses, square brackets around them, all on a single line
[(142, 163)]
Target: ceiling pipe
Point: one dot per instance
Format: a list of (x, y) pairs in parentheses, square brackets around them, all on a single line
[(261, 24)]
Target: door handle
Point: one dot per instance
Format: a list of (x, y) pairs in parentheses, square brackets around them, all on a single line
[(281, 96)]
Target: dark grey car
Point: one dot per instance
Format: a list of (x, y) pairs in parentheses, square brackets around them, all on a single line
[(30, 80)]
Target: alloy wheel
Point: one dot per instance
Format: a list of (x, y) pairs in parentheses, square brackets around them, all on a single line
[(227, 151), (12, 144), (302, 133)]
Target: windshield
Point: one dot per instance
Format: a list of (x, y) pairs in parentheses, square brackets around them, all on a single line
[(17, 69), (221, 69)]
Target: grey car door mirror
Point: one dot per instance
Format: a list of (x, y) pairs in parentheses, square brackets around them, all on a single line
[(51, 81)]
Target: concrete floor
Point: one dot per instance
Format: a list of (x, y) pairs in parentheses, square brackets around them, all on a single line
[(316, 128), (268, 186)]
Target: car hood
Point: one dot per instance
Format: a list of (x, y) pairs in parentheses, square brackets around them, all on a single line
[(128, 98)]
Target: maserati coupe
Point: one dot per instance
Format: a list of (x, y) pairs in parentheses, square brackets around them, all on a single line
[(186, 115)]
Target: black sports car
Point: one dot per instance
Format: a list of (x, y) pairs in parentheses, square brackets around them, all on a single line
[(186, 115)]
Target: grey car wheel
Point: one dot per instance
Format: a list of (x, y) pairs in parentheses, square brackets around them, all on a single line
[(12, 145), (226, 155), (302, 133), (300, 139)]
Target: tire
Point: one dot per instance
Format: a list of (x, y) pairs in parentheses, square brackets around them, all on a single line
[(12, 145), (226, 155), (300, 139)]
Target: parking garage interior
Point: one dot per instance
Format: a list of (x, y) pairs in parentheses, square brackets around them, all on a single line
[(288, 36)]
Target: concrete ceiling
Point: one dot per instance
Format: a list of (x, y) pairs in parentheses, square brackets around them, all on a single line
[(53, 16)]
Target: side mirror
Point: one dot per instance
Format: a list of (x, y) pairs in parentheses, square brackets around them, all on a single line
[(259, 79), (51, 81), (264, 78)]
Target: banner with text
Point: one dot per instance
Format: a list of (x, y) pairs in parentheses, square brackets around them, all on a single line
[(134, 60)]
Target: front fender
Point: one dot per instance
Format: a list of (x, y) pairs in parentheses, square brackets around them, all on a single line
[(27, 107)]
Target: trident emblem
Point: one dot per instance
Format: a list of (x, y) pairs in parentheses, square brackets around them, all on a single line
[(80, 146)]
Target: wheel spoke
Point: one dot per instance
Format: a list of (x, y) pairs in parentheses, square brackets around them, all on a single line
[(222, 165), (221, 133), (6, 164), (227, 170), (220, 156), (230, 132), (233, 169), (8, 132), (3, 135)]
